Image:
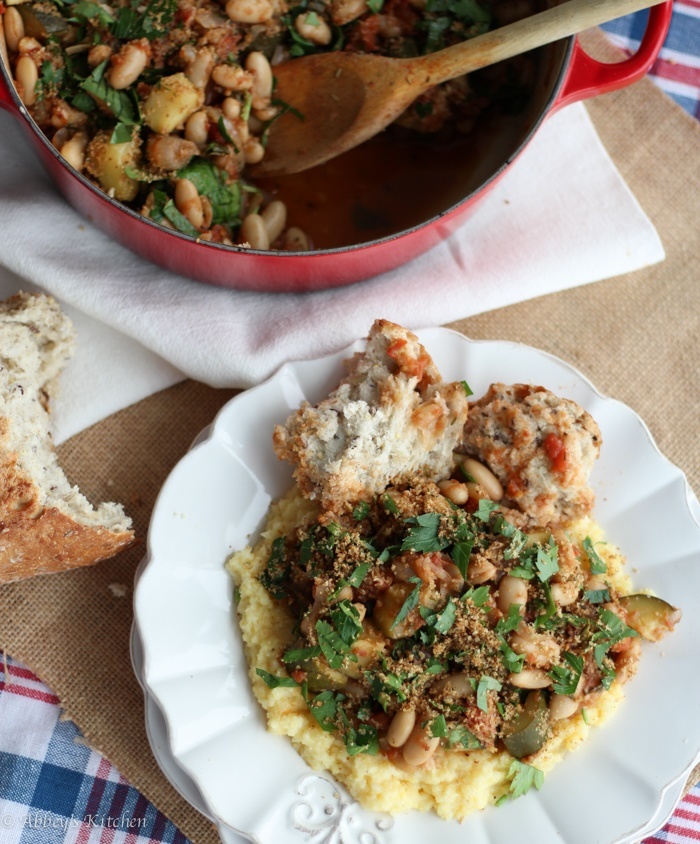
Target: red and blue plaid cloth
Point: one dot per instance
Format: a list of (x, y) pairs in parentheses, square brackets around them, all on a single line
[(56, 790), (677, 69)]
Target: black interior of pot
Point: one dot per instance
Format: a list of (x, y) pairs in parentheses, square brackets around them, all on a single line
[(401, 179)]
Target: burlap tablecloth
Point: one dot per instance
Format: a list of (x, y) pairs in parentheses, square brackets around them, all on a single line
[(635, 337)]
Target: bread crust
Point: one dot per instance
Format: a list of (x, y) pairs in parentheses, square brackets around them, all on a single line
[(53, 542), (46, 526)]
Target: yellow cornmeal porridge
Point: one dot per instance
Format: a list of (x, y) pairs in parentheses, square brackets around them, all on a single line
[(453, 784)]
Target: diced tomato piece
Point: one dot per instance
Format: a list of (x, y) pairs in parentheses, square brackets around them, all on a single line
[(556, 451)]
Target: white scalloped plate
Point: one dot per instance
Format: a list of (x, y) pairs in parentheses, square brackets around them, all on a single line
[(254, 783)]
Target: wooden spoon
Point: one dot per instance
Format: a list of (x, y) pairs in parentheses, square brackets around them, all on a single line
[(341, 99)]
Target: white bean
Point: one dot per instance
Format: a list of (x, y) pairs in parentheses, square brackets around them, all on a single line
[(74, 150), (564, 594), (511, 590), (27, 76), (458, 684), (254, 232), (295, 240), (540, 649), (189, 202), (419, 747), (561, 706), (530, 678), (479, 570), (240, 128), (27, 44), (484, 477), (264, 115), (231, 108), (4, 55), (128, 64), (275, 219), (199, 70), (170, 152), (312, 27), (63, 114), (231, 77), (249, 11), (253, 151), (257, 64), (475, 491), (454, 491), (197, 128), (344, 11), (14, 28), (401, 727), (98, 54)]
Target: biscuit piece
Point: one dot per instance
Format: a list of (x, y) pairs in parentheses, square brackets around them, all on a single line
[(542, 449), (391, 417), (46, 525)]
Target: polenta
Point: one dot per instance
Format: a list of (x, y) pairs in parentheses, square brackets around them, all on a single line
[(453, 783)]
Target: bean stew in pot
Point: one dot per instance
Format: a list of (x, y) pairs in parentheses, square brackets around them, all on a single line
[(163, 104)]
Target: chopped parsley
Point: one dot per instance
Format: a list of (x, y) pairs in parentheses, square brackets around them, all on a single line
[(565, 678), (335, 649), (486, 684), (596, 564), (274, 681), (361, 511), (522, 778), (424, 534), (274, 576), (410, 603)]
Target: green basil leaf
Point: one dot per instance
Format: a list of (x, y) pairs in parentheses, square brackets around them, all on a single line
[(120, 103), (224, 196)]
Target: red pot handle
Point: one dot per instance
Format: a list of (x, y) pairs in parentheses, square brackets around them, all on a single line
[(588, 77)]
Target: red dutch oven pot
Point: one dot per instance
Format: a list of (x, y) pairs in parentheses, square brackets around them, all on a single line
[(567, 74)]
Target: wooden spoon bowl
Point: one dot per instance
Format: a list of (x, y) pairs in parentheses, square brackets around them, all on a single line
[(337, 100)]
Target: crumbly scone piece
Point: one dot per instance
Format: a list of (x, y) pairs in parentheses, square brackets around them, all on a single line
[(390, 418), (541, 447), (46, 524)]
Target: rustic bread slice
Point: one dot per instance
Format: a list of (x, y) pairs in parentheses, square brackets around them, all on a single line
[(46, 524), (390, 418)]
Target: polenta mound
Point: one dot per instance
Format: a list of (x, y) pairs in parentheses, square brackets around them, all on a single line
[(452, 783)]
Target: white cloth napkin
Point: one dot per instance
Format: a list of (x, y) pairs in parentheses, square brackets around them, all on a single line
[(561, 217)]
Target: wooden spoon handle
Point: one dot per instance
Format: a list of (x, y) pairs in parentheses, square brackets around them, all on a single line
[(513, 39)]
